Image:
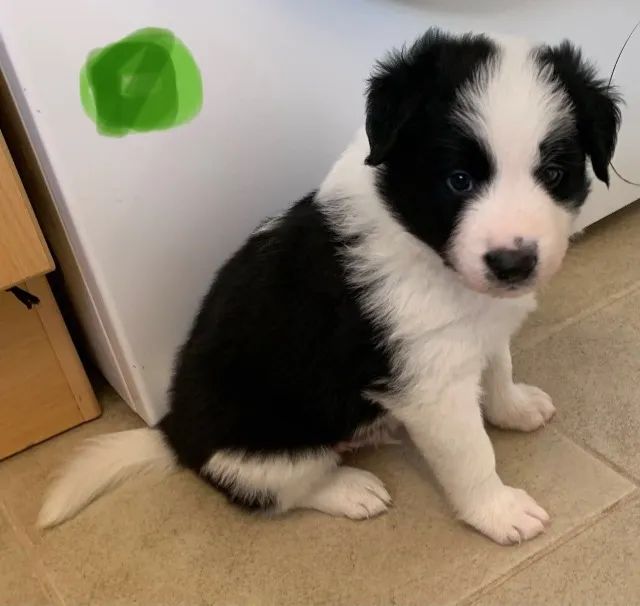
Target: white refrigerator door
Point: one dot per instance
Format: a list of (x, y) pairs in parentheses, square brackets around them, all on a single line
[(150, 217)]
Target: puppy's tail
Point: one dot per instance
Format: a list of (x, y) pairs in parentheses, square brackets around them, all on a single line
[(100, 465)]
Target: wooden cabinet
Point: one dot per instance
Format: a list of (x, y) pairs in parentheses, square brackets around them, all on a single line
[(23, 251), (43, 387)]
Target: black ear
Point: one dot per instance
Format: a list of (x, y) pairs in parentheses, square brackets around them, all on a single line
[(395, 91), (596, 103), (390, 104)]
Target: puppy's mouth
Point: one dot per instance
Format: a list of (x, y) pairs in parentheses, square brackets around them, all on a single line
[(487, 284), (479, 278), (511, 291), (502, 291), (511, 288)]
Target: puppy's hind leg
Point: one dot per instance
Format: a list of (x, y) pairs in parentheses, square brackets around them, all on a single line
[(301, 480), (350, 492)]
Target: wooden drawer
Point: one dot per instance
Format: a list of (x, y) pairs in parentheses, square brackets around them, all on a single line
[(23, 252), (43, 387)]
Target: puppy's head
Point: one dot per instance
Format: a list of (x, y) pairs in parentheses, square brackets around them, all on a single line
[(481, 149)]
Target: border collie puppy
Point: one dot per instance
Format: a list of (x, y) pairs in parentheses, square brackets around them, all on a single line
[(388, 296)]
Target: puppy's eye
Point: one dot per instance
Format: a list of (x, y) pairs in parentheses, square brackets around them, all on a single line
[(552, 175), (460, 182)]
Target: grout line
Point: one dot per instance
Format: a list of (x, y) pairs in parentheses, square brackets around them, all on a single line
[(554, 329), (561, 541), (38, 568), (599, 456)]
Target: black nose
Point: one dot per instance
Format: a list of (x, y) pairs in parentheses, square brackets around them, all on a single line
[(512, 265)]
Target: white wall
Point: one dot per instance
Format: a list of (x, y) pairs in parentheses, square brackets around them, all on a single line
[(152, 216)]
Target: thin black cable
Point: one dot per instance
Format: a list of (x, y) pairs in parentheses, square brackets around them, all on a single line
[(26, 298), (613, 71)]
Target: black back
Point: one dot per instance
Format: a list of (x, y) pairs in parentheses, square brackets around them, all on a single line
[(280, 353)]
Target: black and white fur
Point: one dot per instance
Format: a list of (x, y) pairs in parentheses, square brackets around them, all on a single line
[(388, 296)]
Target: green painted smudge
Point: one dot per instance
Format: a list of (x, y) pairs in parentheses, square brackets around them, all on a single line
[(146, 81)]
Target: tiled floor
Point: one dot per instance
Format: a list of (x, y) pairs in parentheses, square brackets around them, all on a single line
[(175, 541)]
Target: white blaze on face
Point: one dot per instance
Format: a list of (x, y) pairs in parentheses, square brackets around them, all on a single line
[(511, 108)]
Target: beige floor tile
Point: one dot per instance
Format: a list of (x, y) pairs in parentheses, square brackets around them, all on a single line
[(544, 464), (177, 541), (592, 371), (600, 566), (600, 263), (19, 585)]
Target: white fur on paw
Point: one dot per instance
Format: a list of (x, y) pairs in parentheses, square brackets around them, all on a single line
[(350, 492), (525, 408), (507, 515)]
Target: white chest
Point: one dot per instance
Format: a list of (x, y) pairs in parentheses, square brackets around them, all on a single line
[(436, 329)]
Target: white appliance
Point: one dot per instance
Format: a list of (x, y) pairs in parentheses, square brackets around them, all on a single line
[(150, 217)]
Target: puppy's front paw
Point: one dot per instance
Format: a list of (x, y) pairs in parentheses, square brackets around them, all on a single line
[(522, 407), (506, 515)]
